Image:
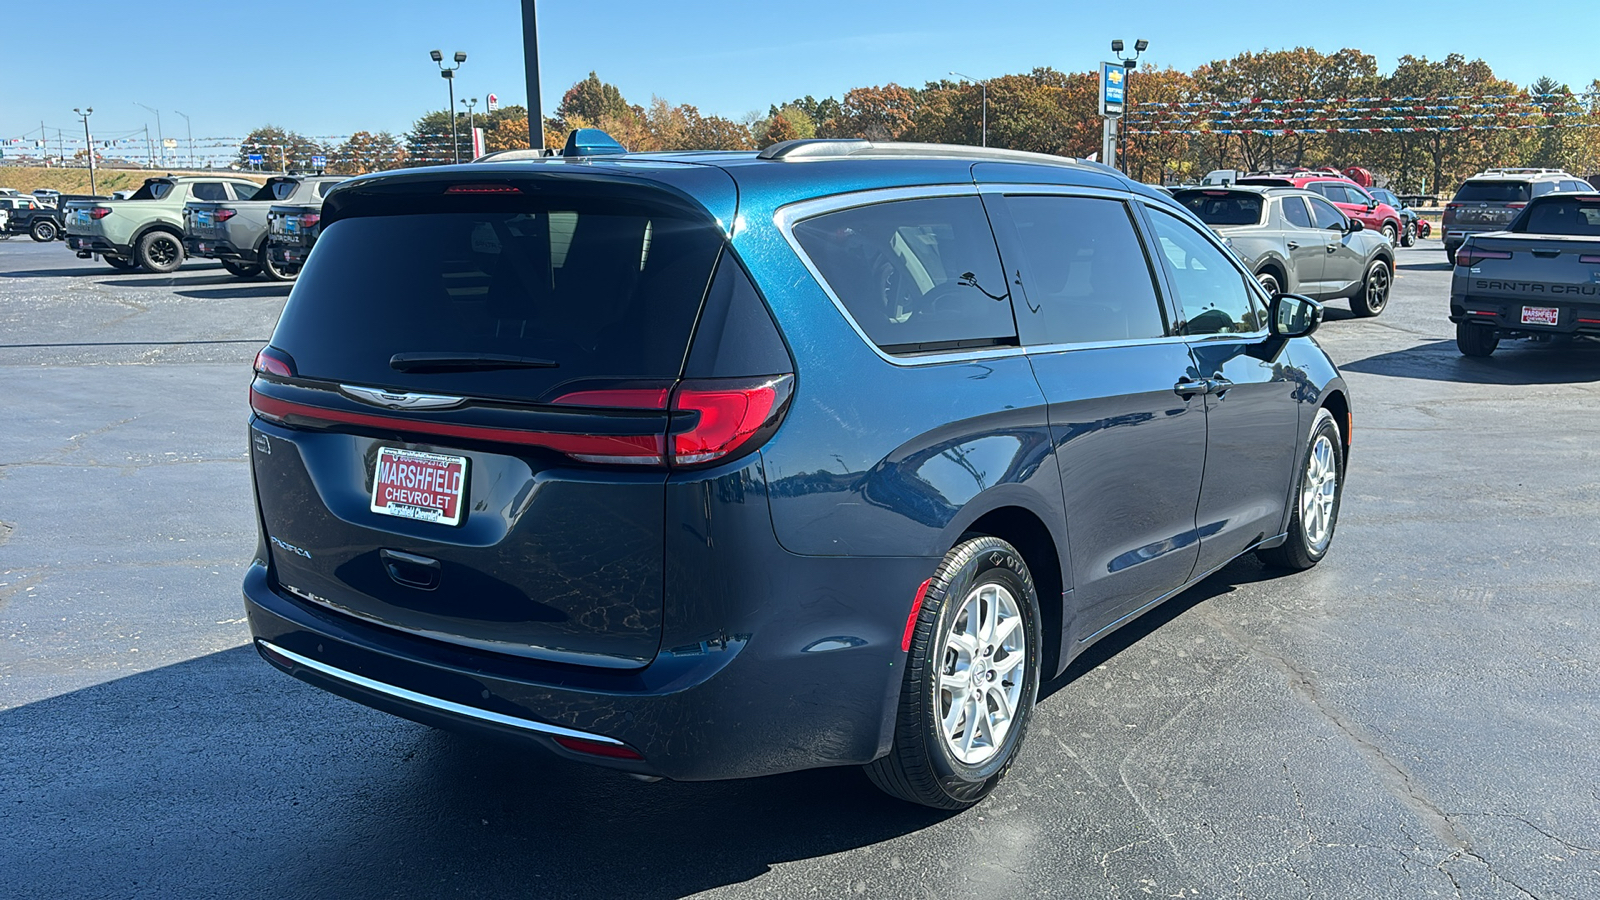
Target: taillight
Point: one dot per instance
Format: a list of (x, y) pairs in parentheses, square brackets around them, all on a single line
[(1452, 206), (598, 748), (1515, 205), (223, 215), (481, 189), (272, 361), (99, 212), (1471, 256), (731, 412), (1589, 259), (307, 220)]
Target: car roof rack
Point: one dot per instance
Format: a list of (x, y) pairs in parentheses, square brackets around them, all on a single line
[(1520, 171), (859, 148)]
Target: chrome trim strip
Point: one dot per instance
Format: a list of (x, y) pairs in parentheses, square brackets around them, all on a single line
[(448, 706)]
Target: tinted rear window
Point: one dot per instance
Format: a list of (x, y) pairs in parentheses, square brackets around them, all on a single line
[(1223, 207), (1560, 217), (152, 190), (607, 294), (275, 190), (324, 187), (916, 275), (1493, 192)]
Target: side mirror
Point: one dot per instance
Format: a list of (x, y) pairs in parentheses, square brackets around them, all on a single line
[(1372, 203), (1357, 225), (1292, 315)]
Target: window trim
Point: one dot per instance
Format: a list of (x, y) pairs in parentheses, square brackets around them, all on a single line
[(787, 217)]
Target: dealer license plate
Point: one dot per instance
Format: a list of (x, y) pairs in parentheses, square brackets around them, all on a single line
[(203, 219), (416, 485), (1541, 315)]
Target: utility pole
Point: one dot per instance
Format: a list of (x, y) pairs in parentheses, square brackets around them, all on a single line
[(189, 127), (149, 148), (88, 142), (162, 138), (530, 64)]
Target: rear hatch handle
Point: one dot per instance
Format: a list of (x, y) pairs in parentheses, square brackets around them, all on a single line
[(411, 570)]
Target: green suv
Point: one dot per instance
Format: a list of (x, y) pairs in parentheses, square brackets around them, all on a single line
[(146, 229)]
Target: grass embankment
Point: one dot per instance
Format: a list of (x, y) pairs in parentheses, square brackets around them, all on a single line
[(76, 181)]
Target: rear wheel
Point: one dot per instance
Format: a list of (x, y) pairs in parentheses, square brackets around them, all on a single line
[(160, 252), (274, 270), (1408, 238), (1476, 340), (1374, 295), (970, 681), (44, 231), (1315, 509), (241, 270), (1390, 233)]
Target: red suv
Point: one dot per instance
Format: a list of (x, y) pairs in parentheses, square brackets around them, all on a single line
[(1351, 198)]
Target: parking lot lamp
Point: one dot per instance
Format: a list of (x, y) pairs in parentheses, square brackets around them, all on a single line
[(984, 129), (189, 128), (1129, 63), (448, 73), (88, 143), (472, 124)]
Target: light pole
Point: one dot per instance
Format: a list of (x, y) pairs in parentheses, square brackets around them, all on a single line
[(1129, 63), (88, 143), (448, 73), (472, 125), (159, 136), (984, 132), (190, 129)]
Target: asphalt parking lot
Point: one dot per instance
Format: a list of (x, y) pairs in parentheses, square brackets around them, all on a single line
[(1417, 717)]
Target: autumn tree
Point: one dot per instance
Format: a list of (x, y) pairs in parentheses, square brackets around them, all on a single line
[(365, 152), (875, 113), (279, 149)]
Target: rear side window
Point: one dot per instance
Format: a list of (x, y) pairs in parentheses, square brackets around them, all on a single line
[(324, 187), (1575, 185), (152, 190), (1540, 188), (210, 190), (603, 294), (275, 190), (1085, 272), (1223, 207), (1560, 217), (1493, 192), (916, 275), (1294, 212)]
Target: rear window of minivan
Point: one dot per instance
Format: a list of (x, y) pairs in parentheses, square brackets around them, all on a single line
[(603, 295), (1493, 192)]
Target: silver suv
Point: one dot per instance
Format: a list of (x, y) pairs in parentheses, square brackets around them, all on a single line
[(1489, 200)]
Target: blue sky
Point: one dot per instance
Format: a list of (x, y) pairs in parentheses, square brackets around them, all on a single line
[(346, 65)]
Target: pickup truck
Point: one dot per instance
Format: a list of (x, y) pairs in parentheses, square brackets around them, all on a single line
[(235, 231), (292, 231), (1538, 279), (39, 220), (146, 229)]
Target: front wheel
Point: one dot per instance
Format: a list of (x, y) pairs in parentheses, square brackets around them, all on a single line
[(1408, 238), (1390, 233), (1315, 509), (1269, 283), (160, 252), (970, 681), (1374, 295), (43, 231), (1476, 340)]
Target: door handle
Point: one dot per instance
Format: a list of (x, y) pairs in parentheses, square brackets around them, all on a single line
[(1188, 387), (1333, 248), (1218, 385), (1294, 245), (410, 569)]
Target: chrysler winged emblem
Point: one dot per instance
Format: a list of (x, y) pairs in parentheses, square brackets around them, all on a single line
[(392, 400)]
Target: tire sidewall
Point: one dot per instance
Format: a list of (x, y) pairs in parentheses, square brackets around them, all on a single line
[(45, 228), (995, 561), (148, 240), (1262, 279), (1323, 424)]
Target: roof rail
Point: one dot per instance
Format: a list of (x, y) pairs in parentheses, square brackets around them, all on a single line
[(1518, 171), (508, 155), (857, 148)]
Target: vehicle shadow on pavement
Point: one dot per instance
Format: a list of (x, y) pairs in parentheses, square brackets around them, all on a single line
[(200, 777), (1244, 570), (1517, 362), (241, 292), (58, 273), (145, 279)]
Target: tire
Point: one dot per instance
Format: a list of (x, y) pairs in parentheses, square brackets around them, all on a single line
[(1408, 238), (1476, 340), (159, 252), (1314, 498), (241, 270), (924, 764), (119, 263), (1450, 256), (44, 231), (1374, 294), (272, 269), (1390, 233), (1269, 282)]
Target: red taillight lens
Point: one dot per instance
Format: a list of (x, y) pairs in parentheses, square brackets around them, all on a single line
[(625, 398), (223, 215), (1515, 205), (99, 212), (310, 219), (731, 413), (1471, 256), (481, 189), (272, 361), (1452, 206), (598, 748), (1589, 259)]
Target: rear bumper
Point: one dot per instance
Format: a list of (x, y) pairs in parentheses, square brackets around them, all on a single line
[(807, 677), (96, 244), (1505, 316), (288, 254), (212, 248)]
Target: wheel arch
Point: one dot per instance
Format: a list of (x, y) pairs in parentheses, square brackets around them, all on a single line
[(1024, 529), (1279, 271), (168, 227), (1337, 402)]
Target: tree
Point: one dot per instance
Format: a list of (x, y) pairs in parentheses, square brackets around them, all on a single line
[(593, 100), (875, 113), (367, 152), (279, 149)]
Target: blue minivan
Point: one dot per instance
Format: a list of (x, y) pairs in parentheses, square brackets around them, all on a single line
[(721, 464)]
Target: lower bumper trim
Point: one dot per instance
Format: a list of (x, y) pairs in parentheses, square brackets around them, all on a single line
[(272, 650)]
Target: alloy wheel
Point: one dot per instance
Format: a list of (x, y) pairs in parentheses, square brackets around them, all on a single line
[(163, 250), (1318, 492), (981, 674), (1377, 288)]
